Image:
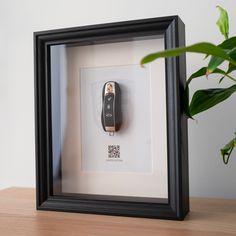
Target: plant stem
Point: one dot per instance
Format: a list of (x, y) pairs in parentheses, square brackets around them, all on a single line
[(230, 77)]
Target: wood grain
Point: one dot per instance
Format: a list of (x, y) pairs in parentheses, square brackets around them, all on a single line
[(19, 217)]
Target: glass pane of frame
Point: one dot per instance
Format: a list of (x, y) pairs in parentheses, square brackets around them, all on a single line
[(91, 156)]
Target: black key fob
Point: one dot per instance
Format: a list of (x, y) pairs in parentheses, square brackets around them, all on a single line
[(111, 107)]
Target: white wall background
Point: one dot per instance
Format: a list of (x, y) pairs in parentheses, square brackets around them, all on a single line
[(19, 19)]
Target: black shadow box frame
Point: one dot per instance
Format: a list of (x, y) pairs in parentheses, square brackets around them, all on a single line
[(178, 190)]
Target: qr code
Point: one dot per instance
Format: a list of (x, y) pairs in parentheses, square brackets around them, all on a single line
[(113, 151)]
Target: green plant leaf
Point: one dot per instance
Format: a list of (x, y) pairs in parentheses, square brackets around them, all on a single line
[(230, 69), (198, 73), (227, 150), (213, 64), (228, 43), (204, 99), (202, 72), (223, 22), (216, 61), (232, 53), (204, 48)]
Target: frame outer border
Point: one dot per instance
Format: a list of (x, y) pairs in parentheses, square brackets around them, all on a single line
[(178, 184)]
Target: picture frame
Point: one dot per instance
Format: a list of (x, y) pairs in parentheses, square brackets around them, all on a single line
[(49, 158)]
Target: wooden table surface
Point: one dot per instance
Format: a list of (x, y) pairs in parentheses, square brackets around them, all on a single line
[(18, 217)]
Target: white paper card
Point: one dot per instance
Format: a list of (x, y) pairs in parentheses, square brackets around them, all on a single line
[(133, 140)]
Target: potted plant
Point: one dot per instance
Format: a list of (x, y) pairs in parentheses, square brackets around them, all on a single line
[(204, 99)]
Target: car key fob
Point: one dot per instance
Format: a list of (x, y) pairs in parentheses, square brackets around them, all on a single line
[(111, 107)]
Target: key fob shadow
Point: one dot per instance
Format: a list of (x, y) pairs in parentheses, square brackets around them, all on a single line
[(111, 107)]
